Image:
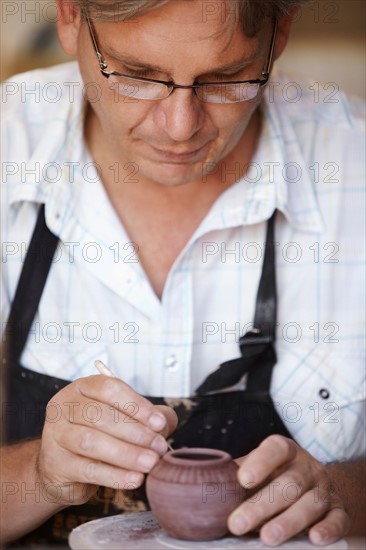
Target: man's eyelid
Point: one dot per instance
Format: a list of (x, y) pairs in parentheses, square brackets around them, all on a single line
[(142, 70), (124, 66), (155, 73), (151, 72), (230, 72), (138, 71), (128, 63), (218, 74)]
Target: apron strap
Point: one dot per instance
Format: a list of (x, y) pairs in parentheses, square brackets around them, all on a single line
[(266, 307), (256, 346), (30, 287)]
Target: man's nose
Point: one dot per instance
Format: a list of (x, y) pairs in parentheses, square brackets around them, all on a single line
[(181, 115)]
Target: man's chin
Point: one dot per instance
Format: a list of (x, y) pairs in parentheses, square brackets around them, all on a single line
[(173, 175)]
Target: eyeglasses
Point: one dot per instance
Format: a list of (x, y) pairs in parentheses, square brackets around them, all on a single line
[(209, 92)]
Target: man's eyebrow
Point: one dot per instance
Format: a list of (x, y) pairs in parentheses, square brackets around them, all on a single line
[(137, 64)]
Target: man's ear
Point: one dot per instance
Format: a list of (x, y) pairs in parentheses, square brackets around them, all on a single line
[(283, 32), (68, 25)]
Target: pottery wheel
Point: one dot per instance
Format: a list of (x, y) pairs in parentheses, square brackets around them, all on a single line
[(141, 531)]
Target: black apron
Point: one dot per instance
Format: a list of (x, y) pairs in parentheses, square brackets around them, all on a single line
[(235, 421)]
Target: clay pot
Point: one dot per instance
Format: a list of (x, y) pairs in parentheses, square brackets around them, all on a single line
[(193, 491)]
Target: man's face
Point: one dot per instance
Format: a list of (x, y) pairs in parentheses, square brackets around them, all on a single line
[(173, 141)]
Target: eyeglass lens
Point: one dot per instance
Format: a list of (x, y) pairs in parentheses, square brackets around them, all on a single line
[(225, 93)]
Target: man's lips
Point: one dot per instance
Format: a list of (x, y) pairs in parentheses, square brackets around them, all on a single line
[(175, 157)]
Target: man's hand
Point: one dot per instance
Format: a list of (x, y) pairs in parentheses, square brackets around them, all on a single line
[(99, 431), (289, 491)]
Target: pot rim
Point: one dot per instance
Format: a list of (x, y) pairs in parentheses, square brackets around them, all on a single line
[(218, 456)]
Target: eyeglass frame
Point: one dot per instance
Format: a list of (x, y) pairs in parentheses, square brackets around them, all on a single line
[(170, 85)]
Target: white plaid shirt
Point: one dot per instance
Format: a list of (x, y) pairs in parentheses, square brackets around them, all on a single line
[(98, 303)]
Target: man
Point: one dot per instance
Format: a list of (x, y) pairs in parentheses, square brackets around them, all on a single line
[(146, 171)]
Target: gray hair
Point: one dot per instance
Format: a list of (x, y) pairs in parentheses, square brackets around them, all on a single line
[(251, 12)]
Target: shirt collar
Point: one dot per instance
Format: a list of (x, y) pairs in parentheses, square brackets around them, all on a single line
[(53, 174), (295, 191), (277, 178)]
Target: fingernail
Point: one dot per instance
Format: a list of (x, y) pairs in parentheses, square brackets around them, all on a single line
[(246, 478), (134, 478), (319, 536), (146, 461), (274, 534), (157, 421), (159, 445), (238, 525)]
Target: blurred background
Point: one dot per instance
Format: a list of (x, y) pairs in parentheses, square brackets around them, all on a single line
[(327, 41)]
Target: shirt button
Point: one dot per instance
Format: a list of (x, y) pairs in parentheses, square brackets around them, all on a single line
[(171, 363), (324, 393)]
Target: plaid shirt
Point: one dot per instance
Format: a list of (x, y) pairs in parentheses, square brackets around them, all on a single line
[(98, 303)]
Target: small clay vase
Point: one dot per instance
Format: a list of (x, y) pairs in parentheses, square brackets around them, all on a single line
[(193, 491)]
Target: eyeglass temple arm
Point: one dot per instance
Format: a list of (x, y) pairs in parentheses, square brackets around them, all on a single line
[(103, 65), (268, 67)]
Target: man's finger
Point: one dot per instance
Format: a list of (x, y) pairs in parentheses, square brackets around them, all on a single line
[(109, 420), (334, 526), (302, 513), (116, 393), (94, 472), (272, 453), (101, 447), (271, 500), (171, 418)]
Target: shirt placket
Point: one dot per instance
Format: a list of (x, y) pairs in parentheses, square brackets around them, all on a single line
[(176, 336)]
